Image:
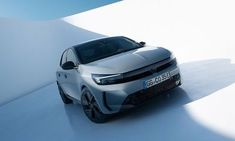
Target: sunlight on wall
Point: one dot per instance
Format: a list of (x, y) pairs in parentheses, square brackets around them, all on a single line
[(177, 25)]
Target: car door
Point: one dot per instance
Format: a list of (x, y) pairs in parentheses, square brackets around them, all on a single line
[(72, 76), (60, 74)]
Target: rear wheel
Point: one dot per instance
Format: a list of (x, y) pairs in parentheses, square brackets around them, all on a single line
[(91, 108), (63, 96)]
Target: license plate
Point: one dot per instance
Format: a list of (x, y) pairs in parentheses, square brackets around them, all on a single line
[(156, 80)]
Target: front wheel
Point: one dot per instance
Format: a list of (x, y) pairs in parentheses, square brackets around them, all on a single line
[(91, 108)]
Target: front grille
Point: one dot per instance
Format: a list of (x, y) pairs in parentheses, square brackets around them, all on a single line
[(146, 71), (139, 97), (160, 68)]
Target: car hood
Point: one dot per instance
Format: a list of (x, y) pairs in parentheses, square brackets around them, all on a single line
[(127, 61)]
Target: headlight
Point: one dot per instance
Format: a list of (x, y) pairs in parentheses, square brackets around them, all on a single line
[(105, 79)]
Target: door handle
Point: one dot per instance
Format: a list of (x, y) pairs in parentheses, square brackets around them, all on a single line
[(65, 76)]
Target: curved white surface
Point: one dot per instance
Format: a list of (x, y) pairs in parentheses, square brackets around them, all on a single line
[(30, 53), (200, 33), (42, 115)]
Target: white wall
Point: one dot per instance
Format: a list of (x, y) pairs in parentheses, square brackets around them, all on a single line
[(193, 29), (201, 34), (30, 53)]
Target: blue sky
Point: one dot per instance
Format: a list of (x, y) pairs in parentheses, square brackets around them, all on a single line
[(47, 9)]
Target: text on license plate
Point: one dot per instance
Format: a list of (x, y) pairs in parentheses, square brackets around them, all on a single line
[(156, 80)]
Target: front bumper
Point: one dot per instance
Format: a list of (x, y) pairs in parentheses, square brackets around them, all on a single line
[(141, 96), (116, 97)]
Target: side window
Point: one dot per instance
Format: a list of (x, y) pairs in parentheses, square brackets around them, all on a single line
[(63, 58), (71, 57)]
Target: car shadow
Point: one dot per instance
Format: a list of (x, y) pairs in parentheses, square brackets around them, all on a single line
[(164, 118), (200, 79)]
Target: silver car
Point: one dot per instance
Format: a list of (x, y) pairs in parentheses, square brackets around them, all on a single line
[(113, 74)]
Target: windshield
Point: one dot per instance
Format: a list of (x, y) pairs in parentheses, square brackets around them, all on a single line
[(102, 48)]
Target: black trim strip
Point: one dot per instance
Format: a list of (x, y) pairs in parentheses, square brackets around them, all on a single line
[(143, 72), (146, 71), (105, 101)]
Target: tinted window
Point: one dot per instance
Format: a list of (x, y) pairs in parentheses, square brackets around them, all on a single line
[(71, 57), (99, 49), (63, 58)]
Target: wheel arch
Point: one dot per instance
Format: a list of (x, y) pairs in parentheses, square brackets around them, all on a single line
[(98, 97), (83, 86)]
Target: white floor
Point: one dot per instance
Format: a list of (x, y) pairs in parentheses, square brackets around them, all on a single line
[(200, 33), (201, 109)]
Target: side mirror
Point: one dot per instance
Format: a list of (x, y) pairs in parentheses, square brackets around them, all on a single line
[(142, 43), (68, 65)]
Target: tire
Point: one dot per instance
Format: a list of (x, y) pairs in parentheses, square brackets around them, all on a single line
[(63, 96), (91, 108)]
